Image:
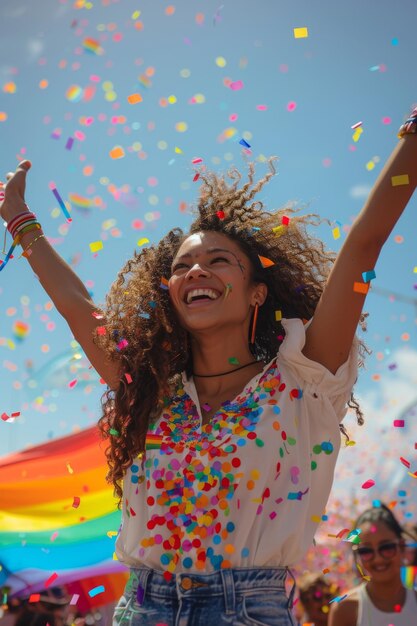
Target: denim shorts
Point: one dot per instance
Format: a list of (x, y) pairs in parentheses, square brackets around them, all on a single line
[(236, 597)]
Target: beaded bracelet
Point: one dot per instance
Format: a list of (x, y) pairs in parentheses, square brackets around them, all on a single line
[(410, 125), (27, 228), (24, 253), (18, 219)]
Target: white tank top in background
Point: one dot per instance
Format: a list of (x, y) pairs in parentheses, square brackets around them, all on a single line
[(368, 615)]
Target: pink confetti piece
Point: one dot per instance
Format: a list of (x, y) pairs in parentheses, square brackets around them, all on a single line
[(51, 579), (368, 484), (206, 407), (197, 160), (262, 107), (236, 85), (72, 383), (74, 599), (54, 536), (399, 423), (128, 378), (76, 502), (356, 125), (291, 106), (405, 462)]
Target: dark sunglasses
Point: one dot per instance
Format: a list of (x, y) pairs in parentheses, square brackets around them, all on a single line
[(386, 550)]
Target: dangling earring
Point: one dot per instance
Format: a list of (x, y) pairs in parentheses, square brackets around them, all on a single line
[(254, 321)]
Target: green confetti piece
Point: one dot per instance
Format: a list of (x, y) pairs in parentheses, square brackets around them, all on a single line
[(233, 360), (113, 431)]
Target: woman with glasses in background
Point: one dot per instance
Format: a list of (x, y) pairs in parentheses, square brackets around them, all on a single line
[(383, 599)]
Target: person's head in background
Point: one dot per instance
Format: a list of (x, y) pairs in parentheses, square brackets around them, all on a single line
[(381, 551), (29, 617), (315, 593)]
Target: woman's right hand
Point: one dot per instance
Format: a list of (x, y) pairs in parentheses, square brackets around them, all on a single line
[(12, 193)]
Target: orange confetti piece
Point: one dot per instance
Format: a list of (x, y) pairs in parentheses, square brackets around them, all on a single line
[(361, 287), (265, 262), (35, 597), (101, 330), (134, 98), (117, 152)]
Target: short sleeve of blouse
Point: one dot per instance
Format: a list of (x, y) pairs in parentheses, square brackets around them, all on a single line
[(337, 387)]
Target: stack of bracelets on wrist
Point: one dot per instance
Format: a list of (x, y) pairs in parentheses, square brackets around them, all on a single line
[(17, 227), (410, 125)]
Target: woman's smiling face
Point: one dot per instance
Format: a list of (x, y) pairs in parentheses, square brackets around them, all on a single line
[(210, 284), (383, 551)]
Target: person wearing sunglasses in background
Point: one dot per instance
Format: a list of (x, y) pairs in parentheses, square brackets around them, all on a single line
[(383, 599)]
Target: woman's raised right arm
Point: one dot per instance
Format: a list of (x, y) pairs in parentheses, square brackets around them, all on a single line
[(61, 283)]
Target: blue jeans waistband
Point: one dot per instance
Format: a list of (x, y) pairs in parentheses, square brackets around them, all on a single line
[(223, 582)]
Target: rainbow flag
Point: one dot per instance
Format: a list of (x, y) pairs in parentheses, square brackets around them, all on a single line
[(58, 515), (153, 442), (409, 576)]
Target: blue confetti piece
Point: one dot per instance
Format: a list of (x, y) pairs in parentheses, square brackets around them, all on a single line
[(244, 143), (368, 276), (96, 591)]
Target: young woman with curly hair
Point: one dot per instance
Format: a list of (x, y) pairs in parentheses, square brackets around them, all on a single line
[(230, 358)]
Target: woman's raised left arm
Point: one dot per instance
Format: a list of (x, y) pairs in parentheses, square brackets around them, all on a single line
[(330, 334)]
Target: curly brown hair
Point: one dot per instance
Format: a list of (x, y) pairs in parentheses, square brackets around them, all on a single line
[(142, 330)]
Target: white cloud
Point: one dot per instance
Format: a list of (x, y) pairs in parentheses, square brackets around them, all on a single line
[(360, 192), (34, 47)]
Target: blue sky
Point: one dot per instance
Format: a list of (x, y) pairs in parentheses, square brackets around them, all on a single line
[(298, 100)]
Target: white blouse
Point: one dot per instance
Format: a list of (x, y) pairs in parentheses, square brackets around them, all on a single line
[(248, 489)]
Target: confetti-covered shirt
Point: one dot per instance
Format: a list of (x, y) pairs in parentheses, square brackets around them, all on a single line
[(248, 489)]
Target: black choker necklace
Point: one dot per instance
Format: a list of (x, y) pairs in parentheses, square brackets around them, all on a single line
[(224, 373)]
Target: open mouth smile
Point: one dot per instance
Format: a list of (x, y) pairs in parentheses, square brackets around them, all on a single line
[(201, 295)]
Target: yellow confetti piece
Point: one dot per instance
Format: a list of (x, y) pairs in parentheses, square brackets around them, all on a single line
[(370, 166), (336, 232), (95, 246), (316, 519), (117, 152), (134, 98), (178, 150), (141, 242), (278, 316), (111, 533), (401, 179), (300, 33), (69, 468), (279, 230), (415, 269), (358, 132)]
